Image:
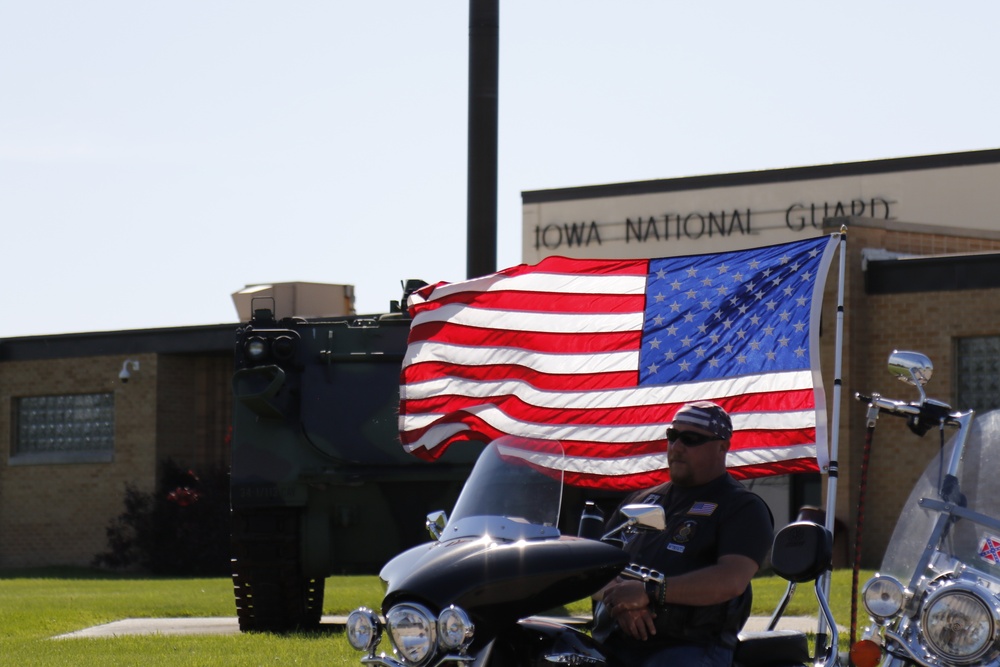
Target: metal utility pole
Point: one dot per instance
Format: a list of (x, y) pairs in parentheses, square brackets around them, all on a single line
[(484, 49)]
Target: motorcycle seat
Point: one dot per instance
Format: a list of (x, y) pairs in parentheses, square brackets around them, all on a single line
[(772, 646)]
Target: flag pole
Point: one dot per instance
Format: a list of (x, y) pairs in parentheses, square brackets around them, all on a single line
[(832, 468)]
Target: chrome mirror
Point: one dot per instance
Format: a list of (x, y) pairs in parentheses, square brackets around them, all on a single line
[(645, 516), (436, 521), (912, 368)]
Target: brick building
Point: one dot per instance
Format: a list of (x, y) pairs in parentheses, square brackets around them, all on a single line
[(62, 480)]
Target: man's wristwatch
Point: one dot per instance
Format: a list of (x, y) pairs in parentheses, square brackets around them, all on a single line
[(653, 591)]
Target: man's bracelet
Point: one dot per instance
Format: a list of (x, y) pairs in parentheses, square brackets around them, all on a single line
[(657, 592)]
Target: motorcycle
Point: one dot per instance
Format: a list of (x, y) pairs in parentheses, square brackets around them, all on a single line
[(475, 595), (935, 600)]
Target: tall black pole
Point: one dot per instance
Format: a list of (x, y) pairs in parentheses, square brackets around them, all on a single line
[(484, 50)]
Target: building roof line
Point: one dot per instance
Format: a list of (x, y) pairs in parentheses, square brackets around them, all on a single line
[(763, 177)]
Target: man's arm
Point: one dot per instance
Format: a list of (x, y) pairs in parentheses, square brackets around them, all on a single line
[(710, 585), (714, 584)]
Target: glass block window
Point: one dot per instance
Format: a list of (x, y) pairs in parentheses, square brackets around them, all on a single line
[(978, 373), (64, 429)]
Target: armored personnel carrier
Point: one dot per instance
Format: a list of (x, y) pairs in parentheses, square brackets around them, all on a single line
[(320, 482)]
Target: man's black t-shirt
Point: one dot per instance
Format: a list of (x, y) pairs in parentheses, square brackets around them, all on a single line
[(703, 523)]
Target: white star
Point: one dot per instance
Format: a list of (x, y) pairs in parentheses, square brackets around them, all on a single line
[(800, 352), (771, 355), (742, 358), (661, 274), (654, 344), (659, 298), (652, 369), (686, 341), (676, 284), (685, 366), (723, 268), (768, 331), (783, 341), (706, 304), (669, 356), (800, 326), (713, 362), (692, 272), (771, 305), (671, 330), (675, 307), (700, 352), (785, 316)]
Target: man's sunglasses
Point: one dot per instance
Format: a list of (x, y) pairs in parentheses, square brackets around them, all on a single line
[(689, 438)]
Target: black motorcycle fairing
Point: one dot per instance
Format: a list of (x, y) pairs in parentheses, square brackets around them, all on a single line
[(497, 583)]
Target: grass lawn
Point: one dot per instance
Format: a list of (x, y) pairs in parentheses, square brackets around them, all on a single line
[(36, 605)]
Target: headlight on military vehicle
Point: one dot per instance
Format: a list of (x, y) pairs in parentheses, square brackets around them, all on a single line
[(454, 628), (364, 630), (283, 348), (256, 348), (883, 596), (958, 623), (413, 631)]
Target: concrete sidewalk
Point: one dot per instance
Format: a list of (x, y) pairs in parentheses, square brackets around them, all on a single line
[(229, 626)]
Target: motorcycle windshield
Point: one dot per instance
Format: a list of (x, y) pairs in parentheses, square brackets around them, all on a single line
[(514, 492), (971, 540)]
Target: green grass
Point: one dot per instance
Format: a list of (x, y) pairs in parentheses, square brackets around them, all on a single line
[(36, 605)]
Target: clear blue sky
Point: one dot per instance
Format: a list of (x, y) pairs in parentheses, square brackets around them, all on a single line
[(157, 156)]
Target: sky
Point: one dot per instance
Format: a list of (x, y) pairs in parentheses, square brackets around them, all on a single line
[(156, 157)]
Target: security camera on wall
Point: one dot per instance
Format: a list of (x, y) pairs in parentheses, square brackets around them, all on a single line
[(125, 375)]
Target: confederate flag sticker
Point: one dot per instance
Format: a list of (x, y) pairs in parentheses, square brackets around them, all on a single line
[(989, 549)]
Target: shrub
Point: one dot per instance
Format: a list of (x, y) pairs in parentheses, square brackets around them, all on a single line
[(181, 529)]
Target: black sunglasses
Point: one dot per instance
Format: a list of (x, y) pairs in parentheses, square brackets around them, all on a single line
[(689, 438)]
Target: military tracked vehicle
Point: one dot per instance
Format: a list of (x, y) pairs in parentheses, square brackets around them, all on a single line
[(320, 482)]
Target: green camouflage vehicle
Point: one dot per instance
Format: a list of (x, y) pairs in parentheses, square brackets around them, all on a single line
[(320, 482)]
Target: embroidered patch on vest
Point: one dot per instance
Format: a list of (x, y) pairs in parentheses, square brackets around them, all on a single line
[(684, 532), (701, 508)]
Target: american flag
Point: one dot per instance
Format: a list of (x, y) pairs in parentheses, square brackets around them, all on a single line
[(599, 354)]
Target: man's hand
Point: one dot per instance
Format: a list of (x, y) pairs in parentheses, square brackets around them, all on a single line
[(630, 606)]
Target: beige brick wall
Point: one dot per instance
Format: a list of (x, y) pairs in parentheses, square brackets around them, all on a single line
[(56, 514), (875, 325)]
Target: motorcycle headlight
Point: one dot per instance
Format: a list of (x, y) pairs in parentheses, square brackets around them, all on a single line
[(413, 631), (364, 630), (454, 628), (959, 624), (883, 596)]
